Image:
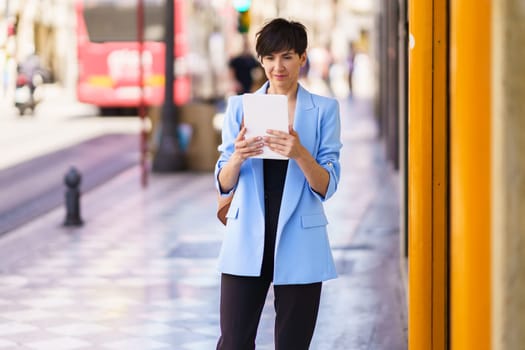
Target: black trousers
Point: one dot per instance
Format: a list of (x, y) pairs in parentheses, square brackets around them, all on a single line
[(242, 302)]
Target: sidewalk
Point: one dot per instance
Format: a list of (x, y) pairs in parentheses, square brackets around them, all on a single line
[(140, 274)]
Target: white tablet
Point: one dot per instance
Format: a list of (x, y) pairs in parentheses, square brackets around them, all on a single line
[(263, 112)]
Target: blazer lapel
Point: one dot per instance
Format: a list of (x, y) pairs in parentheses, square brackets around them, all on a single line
[(306, 125), (257, 166), (258, 180)]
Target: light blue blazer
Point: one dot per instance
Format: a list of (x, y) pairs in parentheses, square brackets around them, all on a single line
[(302, 250)]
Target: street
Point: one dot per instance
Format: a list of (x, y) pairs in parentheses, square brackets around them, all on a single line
[(141, 272), (41, 148), (59, 121)]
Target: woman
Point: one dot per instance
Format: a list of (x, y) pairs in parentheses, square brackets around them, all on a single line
[(267, 242)]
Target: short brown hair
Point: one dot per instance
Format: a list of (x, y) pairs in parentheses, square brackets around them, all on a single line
[(279, 35)]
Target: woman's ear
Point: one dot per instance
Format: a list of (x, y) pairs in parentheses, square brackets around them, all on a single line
[(303, 59)]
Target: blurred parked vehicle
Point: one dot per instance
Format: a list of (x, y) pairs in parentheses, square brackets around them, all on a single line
[(109, 54)]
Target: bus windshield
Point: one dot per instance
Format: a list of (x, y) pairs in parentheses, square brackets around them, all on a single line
[(116, 21)]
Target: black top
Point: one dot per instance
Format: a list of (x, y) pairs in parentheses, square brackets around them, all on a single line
[(274, 177)]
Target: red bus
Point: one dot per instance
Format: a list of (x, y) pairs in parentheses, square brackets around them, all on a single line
[(108, 53)]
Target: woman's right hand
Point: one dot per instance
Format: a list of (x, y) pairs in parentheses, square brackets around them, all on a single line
[(246, 148)]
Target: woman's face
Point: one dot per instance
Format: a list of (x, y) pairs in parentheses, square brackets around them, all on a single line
[(282, 69)]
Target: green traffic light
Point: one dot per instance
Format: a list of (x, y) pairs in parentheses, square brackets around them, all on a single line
[(242, 5)]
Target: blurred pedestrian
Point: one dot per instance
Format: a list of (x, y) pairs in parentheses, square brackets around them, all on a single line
[(32, 70), (265, 242), (351, 65), (243, 69)]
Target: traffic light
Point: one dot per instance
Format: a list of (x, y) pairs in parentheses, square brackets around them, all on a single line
[(243, 18), (243, 25), (242, 5)]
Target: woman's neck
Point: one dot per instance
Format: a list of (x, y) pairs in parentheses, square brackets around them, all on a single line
[(290, 93)]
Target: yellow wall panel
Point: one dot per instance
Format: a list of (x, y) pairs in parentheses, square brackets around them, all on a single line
[(428, 175)]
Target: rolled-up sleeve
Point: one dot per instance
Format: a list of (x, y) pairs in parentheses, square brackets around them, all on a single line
[(330, 147), (230, 130)]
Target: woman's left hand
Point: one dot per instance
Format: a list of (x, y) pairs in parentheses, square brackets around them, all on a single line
[(286, 144), (289, 145)]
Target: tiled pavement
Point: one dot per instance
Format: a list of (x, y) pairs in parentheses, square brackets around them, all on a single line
[(140, 274)]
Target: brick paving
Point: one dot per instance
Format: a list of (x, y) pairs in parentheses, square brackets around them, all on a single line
[(141, 272)]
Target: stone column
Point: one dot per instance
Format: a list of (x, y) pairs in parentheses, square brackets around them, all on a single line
[(508, 92)]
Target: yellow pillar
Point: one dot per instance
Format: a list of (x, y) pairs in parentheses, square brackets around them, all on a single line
[(470, 171)]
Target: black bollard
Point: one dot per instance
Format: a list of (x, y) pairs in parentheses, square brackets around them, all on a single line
[(72, 181)]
